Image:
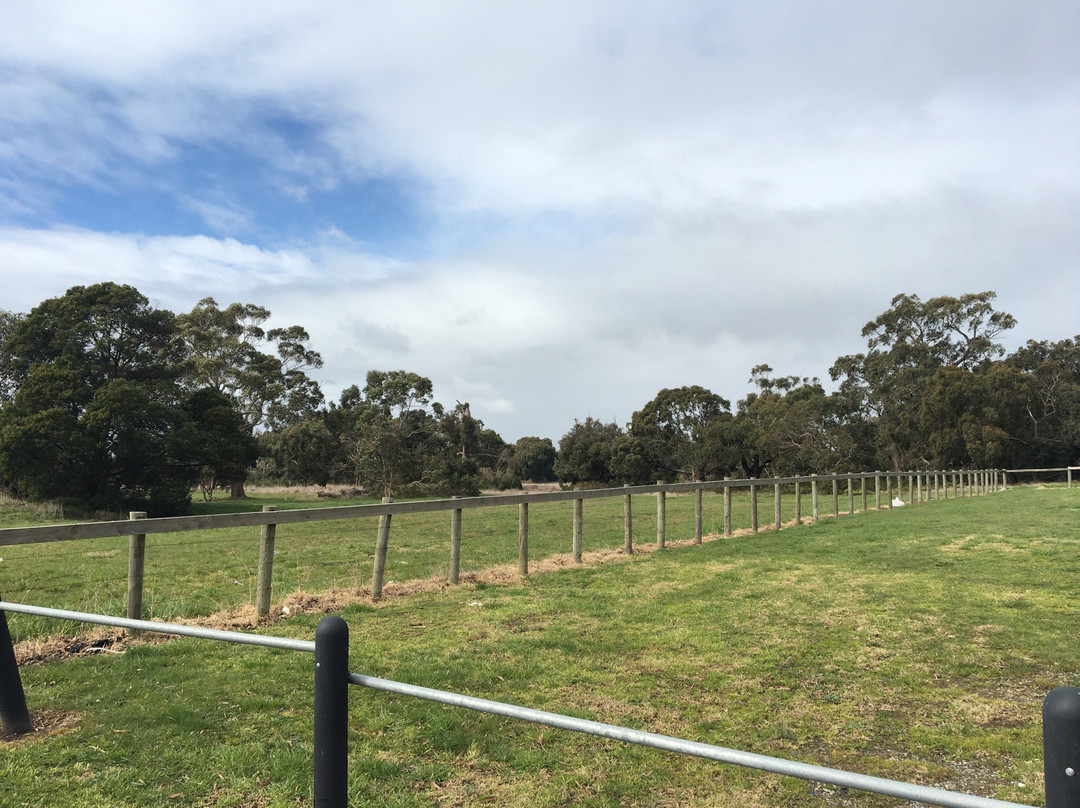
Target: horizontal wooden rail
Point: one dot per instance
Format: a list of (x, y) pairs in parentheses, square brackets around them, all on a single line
[(178, 524)]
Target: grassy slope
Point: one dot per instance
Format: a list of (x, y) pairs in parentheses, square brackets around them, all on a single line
[(914, 644)]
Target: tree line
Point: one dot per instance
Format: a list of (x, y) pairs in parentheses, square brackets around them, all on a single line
[(112, 405)]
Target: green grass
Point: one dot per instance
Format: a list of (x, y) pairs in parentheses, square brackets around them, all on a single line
[(914, 644)]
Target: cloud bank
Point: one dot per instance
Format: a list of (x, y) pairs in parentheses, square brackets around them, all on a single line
[(553, 212)]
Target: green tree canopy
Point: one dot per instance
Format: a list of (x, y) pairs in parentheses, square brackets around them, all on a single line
[(225, 447), (675, 434), (96, 416), (789, 426), (1046, 429), (585, 452), (8, 383), (534, 459), (399, 441), (263, 371), (905, 345)]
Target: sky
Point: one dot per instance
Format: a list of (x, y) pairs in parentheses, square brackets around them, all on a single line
[(552, 210)]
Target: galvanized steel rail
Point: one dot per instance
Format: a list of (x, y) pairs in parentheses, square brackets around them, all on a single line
[(180, 629), (331, 703), (805, 771)]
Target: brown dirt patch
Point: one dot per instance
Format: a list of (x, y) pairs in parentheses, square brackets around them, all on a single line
[(47, 723)]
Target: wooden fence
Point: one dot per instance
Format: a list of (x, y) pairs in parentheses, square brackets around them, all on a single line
[(1066, 470), (921, 487)]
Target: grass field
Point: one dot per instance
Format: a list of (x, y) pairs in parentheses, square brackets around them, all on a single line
[(915, 644)]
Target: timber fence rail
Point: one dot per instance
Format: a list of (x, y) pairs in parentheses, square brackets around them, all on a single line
[(1066, 470), (332, 677), (888, 487)]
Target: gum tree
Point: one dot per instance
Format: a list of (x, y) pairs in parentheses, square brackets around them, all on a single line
[(906, 344)]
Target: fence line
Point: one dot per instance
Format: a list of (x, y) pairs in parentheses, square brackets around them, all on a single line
[(178, 524), (1061, 714), (1067, 469), (966, 483)]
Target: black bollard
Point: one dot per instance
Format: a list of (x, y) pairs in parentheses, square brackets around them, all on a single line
[(331, 788), (1061, 747), (14, 717)]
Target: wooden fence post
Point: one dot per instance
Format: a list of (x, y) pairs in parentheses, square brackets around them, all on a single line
[(814, 499), (523, 538), (382, 541), (455, 544), (628, 523), (798, 502), (850, 496), (753, 508), (835, 497), (263, 581), (727, 508), (697, 515), (777, 514), (862, 490), (888, 489), (877, 491), (578, 508), (661, 517), (136, 563)]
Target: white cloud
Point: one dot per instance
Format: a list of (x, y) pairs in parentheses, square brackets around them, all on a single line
[(563, 105), (624, 196)]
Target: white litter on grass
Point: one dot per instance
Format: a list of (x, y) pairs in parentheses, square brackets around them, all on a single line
[(897, 502), (475, 603), (285, 610)]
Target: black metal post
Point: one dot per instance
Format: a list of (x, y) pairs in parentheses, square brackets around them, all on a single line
[(14, 717), (331, 713), (1061, 747)]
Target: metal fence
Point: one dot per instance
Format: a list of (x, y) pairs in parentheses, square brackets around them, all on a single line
[(332, 677)]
